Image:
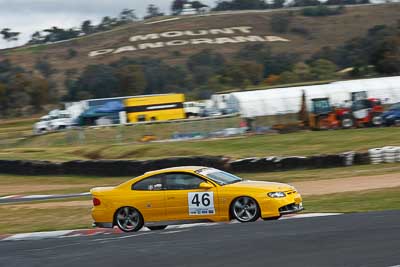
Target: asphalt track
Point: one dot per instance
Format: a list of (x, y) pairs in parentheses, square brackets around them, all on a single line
[(364, 239)]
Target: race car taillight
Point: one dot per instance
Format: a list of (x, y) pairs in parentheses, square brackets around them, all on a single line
[(96, 202)]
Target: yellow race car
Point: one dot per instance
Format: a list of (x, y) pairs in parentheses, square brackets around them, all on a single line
[(190, 195)]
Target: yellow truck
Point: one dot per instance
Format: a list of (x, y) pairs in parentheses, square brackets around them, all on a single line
[(155, 108)]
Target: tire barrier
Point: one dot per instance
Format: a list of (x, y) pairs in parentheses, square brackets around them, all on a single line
[(376, 155), (136, 167), (271, 164), (387, 154), (105, 167)]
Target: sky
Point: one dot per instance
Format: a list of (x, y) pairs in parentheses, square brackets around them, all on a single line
[(28, 16)]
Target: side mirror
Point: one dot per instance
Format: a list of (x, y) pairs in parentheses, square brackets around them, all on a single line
[(205, 186)]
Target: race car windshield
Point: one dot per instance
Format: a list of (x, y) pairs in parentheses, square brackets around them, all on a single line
[(220, 177)]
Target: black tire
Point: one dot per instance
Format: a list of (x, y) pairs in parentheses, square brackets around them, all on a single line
[(123, 214), (376, 120), (347, 122), (245, 209), (156, 228), (271, 218)]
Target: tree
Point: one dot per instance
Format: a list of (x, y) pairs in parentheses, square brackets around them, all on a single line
[(198, 4), (45, 68), (303, 71), (323, 69), (56, 34), (153, 11), (127, 15), (39, 93), (87, 27), (97, 81), (241, 5), (280, 23), (387, 58), (206, 58), (177, 6), (37, 38), (3, 98), (306, 3), (278, 3), (8, 35), (106, 23), (131, 80)]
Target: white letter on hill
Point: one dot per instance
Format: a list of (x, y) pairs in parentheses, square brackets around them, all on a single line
[(199, 32), (243, 29), (151, 45), (224, 40), (144, 37), (252, 38), (124, 49), (100, 52), (177, 42), (276, 39), (222, 31), (171, 34), (202, 41)]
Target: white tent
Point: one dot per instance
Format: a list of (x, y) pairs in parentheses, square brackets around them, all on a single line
[(288, 100)]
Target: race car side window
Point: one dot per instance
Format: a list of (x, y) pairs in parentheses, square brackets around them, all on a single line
[(152, 183), (182, 181)]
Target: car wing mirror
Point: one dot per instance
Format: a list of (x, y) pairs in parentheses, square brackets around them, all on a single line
[(205, 186)]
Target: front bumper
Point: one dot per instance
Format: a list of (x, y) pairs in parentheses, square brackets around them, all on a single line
[(291, 208)]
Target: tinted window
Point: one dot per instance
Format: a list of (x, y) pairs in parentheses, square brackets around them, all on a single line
[(149, 184), (182, 181), (220, 177)]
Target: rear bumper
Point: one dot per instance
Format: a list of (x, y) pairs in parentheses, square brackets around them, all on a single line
[(102, 225)]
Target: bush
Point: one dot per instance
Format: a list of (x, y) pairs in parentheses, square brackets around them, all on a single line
[(280, 23), (320, 11), (300, 31)]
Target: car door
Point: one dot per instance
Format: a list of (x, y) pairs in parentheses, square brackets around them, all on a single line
[(186, 201), (148, 196)]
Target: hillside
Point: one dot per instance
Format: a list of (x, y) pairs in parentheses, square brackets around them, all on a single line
[(171, 41)]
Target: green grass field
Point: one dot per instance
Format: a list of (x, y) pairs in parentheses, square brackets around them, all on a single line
[(54, 147)]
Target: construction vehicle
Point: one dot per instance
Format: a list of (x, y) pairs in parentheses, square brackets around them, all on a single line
[(323, 116), (367, 112)]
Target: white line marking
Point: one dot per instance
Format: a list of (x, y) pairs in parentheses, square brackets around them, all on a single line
[(309, 215), (37, 236), (173, 232)]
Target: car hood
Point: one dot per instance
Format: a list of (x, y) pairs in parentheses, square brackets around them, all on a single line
[(267, 186)]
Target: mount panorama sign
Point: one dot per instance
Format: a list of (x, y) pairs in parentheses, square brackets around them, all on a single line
[(232, 35)]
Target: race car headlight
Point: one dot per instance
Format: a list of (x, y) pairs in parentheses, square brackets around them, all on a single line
[(276, 194)]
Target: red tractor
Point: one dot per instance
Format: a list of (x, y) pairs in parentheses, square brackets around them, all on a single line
[(367, 112)]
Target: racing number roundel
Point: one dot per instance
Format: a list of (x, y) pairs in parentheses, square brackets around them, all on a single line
[(201, 203)]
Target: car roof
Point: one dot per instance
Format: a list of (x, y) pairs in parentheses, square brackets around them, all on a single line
[(181, 168)]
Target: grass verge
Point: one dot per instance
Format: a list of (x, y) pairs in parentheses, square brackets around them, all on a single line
[(363, 201), (304, 143)]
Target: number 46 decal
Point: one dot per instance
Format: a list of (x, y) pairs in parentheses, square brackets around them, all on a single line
[(201, 203)]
